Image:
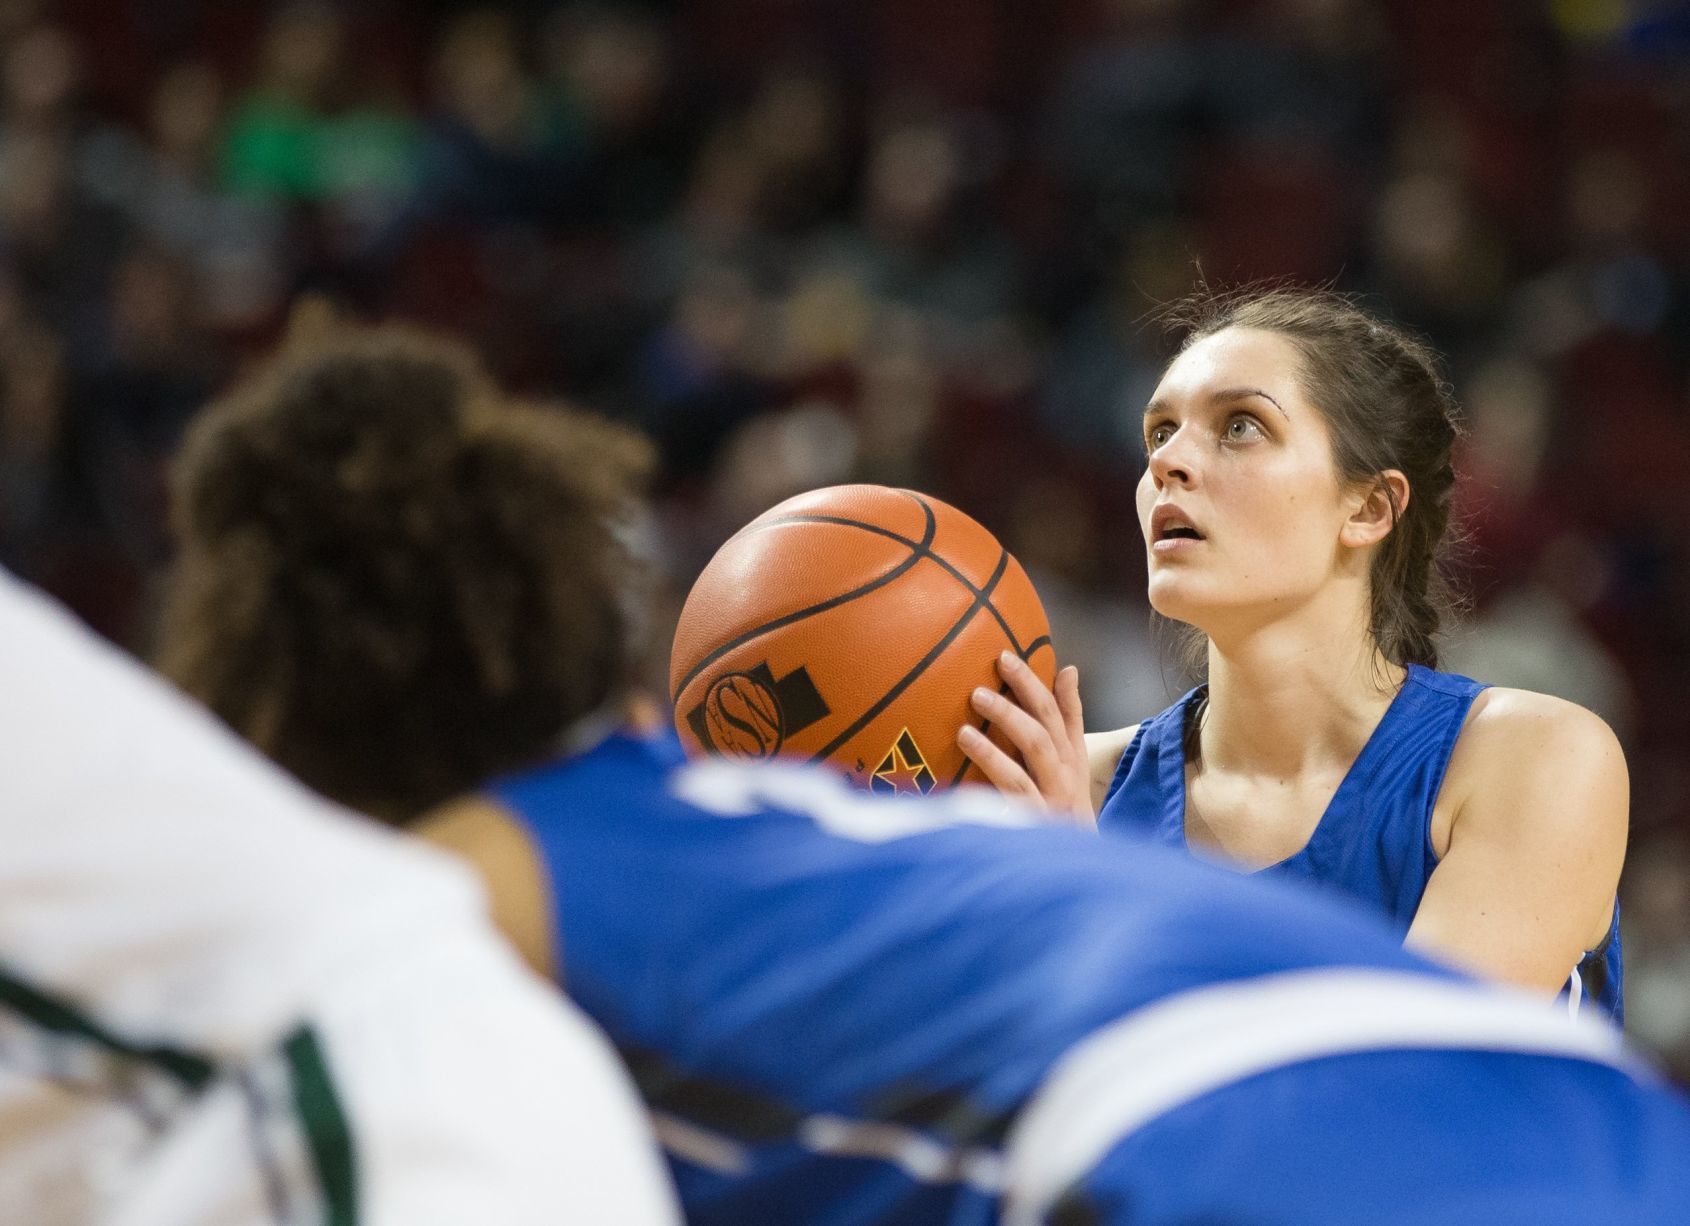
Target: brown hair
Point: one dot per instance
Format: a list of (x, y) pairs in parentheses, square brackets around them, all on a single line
[(1386, 406), (395, 581)]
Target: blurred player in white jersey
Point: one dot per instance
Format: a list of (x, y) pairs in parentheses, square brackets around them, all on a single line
[(224, 1001)]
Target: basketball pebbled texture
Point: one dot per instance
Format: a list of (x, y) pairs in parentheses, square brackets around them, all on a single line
[(849, 626)]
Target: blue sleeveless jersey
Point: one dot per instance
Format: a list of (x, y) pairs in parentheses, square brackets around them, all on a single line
[(1374, 842), (846, 1010)]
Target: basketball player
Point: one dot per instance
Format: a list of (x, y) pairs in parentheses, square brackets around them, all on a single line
[(841, 1009), (221, 1001), (1298, 488)]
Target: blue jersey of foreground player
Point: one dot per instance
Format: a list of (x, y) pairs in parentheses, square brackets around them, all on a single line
[(849, 1011), (1374, 842)]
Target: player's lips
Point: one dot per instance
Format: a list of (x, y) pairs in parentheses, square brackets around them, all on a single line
[(1171, 530)]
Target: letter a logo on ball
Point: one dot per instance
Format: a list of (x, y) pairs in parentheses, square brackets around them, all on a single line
[(903, 771)]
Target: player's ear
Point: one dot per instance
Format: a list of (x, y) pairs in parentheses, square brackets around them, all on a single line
[(1375, 509)]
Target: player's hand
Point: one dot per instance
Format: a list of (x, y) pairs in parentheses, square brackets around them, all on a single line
[(1048, 728)]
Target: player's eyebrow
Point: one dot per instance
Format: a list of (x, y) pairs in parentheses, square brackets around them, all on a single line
[(1226, 393), (1239, 393)]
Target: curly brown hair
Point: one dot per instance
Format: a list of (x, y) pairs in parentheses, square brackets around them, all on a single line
[(394, 580)]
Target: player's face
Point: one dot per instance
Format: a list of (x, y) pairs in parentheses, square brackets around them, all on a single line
[(1241, 503)]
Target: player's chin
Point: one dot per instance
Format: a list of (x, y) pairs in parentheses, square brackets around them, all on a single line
[(1176, 596)]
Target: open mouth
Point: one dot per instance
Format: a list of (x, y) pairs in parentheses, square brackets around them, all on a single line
[(1168, 523)]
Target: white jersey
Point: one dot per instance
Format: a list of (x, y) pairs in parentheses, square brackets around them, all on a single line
[(224, 1001)]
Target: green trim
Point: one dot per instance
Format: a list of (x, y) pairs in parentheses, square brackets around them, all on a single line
[(326, 1127), (61, 1017)]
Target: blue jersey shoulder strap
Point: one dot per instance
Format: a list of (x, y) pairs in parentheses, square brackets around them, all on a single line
[(1146, 796)]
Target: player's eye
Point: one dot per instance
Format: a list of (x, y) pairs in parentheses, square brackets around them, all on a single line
[(1155, 436), (1243, 429)]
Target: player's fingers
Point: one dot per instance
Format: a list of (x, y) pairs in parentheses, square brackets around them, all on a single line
[(1002, 771), (1031, 693), (1030, 736), (1079, 761), (1068, 701)]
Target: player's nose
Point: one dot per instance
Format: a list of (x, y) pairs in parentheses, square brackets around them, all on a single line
[(1175, 461)]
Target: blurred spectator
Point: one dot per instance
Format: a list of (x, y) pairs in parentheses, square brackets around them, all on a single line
[(35, 490), (1655, 901), (900, 397), (42, 73), (315, 127), (700, 370), (162, 183), (608, 68), (1435, 258), (919, 238), (1102, 371), (794, 128), (1131, 108), (58, 243), (500, 148), (157, 368)]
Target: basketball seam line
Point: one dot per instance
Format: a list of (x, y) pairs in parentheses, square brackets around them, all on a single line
[(918, 550), (982, 598), (923, 549)]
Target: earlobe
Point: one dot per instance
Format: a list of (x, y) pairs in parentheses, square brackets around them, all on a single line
[(1378, 510)]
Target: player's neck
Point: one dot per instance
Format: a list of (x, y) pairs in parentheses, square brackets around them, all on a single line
[(642, 714), (1289, 698)]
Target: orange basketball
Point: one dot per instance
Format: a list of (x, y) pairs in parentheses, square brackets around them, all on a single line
[(849, 626)]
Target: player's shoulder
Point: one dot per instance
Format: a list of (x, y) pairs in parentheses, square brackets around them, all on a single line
[(486, 835), (1520, 742), (1506, 727)]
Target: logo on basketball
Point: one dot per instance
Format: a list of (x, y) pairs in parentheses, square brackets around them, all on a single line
[(749, 715), (743, 716), (903, 771)]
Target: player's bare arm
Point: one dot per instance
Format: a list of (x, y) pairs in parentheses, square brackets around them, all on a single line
[(1531, 834), (499, 849)]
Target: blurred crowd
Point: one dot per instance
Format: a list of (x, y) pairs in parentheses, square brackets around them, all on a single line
[(809, 241)]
